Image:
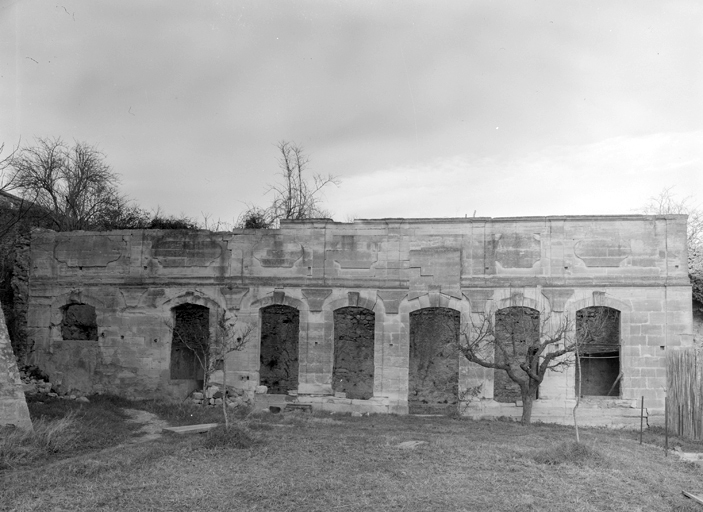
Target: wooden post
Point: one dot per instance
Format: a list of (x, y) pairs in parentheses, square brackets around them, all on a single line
[(666, 426), (641, 419)]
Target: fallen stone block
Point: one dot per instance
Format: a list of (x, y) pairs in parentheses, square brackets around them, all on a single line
[(410, 445), (192, 429)]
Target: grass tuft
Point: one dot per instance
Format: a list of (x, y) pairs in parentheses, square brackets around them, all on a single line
[(50, 436), (233, 437), (567, 452)]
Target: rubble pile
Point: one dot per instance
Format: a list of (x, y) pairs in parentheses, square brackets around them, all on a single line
[(214, 396), (35, 383)]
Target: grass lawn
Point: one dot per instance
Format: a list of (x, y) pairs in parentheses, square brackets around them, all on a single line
[(304, 462)]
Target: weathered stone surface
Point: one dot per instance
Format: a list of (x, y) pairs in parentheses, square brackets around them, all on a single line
[(353, 352), (186, 250), (433, 366), (279, 348), (274, 252), (88, 250), (515, 250), (353, 251), (13, 406), (602, 252), (557, 265)]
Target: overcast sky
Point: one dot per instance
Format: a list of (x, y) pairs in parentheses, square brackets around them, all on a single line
[(423, 109)]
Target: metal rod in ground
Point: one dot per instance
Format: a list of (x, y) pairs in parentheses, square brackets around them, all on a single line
[(680, 420), (693, 497), (666, 426), (641, 419)]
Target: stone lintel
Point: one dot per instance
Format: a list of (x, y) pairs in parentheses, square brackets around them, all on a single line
[(233, 296), (316, 297), (558, 297), (478, 298), (132, 296), (391, 300)]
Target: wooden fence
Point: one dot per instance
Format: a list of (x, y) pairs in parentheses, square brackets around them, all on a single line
[(684, 369)]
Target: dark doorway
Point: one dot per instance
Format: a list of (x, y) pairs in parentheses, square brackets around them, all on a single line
[(598, 334), (433, 368), (280, 329), (191, 335), (354, 352), (516, 332)]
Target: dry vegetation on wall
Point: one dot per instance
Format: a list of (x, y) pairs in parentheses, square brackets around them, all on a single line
[(313, 462)]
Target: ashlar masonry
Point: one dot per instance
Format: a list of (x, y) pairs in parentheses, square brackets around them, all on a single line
[(364, 316)]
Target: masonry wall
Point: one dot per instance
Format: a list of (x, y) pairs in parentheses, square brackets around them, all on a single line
[(391, 267)]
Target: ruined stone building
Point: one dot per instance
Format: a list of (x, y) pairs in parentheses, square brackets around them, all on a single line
[(364, 316)]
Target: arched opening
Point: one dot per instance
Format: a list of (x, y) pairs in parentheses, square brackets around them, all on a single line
[(189, 343), (280, 330), (354, 352), (598, 334), (516, 332), (79, 322), (433, 367)]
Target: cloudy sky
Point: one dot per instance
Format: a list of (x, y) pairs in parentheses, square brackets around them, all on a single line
[(422, 109)]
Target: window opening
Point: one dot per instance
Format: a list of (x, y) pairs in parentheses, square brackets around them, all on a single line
[(598, 335), (79, 322)]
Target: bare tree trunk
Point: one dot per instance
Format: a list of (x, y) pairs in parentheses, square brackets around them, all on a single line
[(224, 391), (578, 392), (528, 397)]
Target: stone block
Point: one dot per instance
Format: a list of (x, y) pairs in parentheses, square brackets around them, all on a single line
[(647, 305), (656, 341), (639, 317), (649, 330)]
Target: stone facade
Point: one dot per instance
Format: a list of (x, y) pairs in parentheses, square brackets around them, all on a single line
[(133, 280)]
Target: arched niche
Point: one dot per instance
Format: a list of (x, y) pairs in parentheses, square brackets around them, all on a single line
[(353, 367), (517, 331)]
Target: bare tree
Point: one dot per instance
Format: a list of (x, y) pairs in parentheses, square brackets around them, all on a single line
[(12, 209), (297, 197), (72, 184), (666, 203), (230, 335), (525, 345), (5, 166)]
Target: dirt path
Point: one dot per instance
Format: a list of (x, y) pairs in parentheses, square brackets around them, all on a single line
[(151, 425)]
